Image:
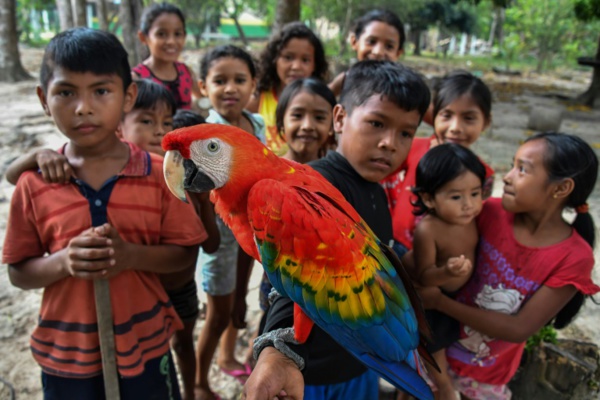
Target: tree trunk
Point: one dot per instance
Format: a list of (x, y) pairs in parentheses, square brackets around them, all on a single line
[(79, 12), (65, 14), (500, 26), (11, 69), (345, 29), (591, 97), (287, 11), (102, 12), (128, 29), (493, 27), (239, 29), (417, 40), (142, 51)]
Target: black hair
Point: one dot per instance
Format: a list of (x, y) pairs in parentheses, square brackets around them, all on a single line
[(185, 118), (568, 156), (310, 85), (222, 52), (151, 93), (268, 77), (441, 165), (399, 84), (156, 10), (457, 84), (384, 16), (85, 50)]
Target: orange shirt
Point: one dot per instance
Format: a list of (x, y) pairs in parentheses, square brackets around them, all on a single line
[(44, 217)]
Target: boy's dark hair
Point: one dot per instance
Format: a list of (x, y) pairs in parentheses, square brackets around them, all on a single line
[(310, 85), (151, 93), (384, 16), (457, 84), (222, 52), (85, 50), (154, 11), (399, 84), (569, 156), (441, 165), (185, 118), (268, 77)]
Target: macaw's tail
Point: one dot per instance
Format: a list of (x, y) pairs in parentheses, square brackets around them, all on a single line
[(403, 375)]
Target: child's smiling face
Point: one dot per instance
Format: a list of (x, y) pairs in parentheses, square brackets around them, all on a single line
[(460, 122), (378, 41), (307, 125), (146, 127), (229, 85), (375, 137), (165, 38), (296, 60)]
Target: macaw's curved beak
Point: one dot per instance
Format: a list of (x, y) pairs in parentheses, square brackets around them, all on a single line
[(182, 174), (174, 172)]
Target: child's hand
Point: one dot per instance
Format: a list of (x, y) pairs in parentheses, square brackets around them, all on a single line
[(54, 166), (119, 256), (88, 255), (459, 266)]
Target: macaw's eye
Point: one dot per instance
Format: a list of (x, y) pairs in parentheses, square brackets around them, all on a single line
[(213, 146)]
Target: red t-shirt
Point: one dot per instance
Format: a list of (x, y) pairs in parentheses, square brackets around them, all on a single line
[(43, 219), (181, 87), (400, 197), (507, 275)]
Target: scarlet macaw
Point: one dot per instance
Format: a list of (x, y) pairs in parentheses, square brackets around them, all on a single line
[(313, 245)]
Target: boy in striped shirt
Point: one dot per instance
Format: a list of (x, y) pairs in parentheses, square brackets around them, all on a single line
[(114, 220)]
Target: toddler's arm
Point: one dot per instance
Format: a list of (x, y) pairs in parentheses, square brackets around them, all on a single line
[(54, 166), (536, 312)]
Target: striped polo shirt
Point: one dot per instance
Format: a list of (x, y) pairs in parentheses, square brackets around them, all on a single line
[(44, 217)]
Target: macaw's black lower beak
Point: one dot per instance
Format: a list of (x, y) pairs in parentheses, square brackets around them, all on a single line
[(195, 180)]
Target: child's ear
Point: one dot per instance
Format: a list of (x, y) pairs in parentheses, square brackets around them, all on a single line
[(119, 131), (563, 189), (42, 96), (400, 53), (339, 118), (353, 41), (142, 36), (427, 200), (202, 87), (130, 96), (488, 123)]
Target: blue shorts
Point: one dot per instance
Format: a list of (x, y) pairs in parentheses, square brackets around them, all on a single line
[(157, 382), (363, 387), (219, 269)]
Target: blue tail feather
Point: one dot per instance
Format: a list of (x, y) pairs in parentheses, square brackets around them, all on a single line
[(401, 375)]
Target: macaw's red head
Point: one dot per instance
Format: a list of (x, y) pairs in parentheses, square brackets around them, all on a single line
[(209, 156)]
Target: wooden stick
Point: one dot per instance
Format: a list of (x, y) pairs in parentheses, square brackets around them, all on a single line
[(107, 339)]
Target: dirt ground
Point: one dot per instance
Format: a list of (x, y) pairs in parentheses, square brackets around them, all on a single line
[(23, 126)]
